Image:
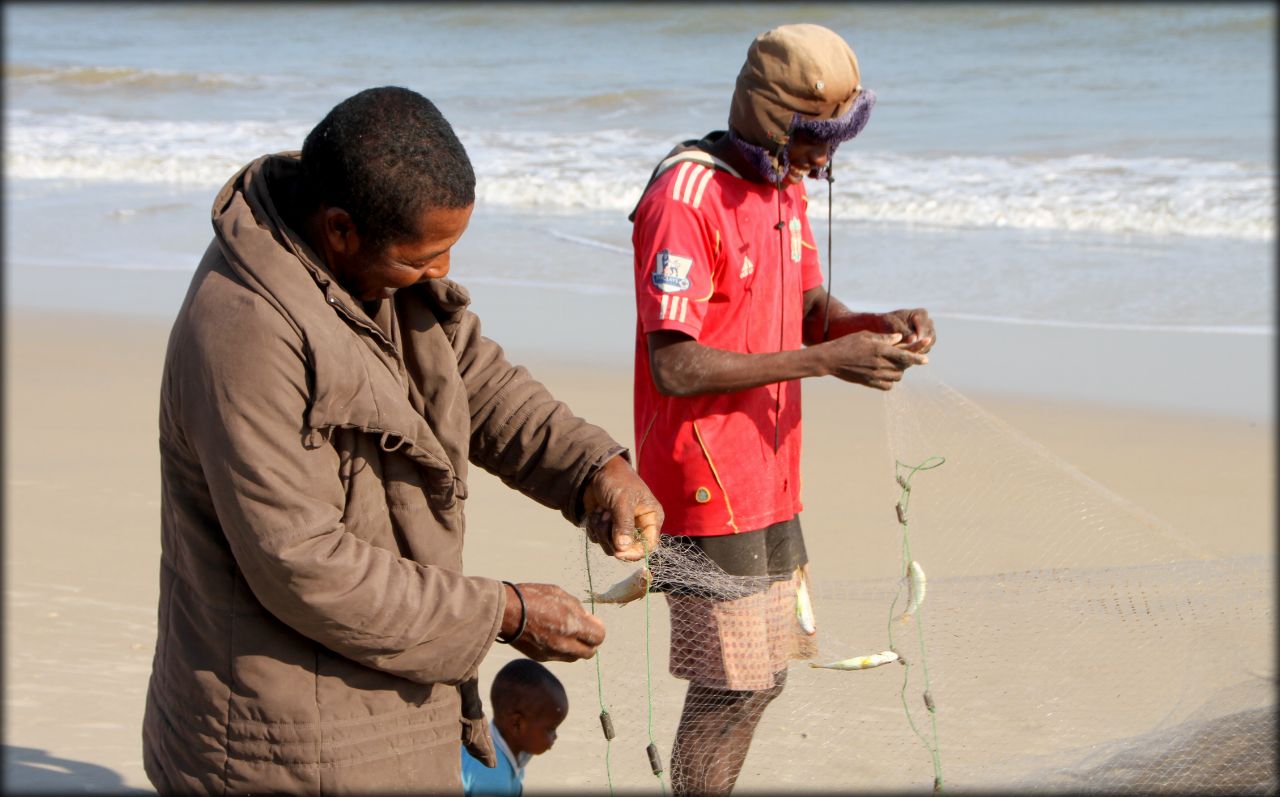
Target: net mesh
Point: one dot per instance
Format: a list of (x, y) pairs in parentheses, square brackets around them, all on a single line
[(1066, 641)]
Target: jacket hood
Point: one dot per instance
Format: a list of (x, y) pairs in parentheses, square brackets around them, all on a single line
[(796, 77), (257, 242), (274, 261)]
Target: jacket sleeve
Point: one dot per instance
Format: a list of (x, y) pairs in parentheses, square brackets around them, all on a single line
[(280, 506), (520, 432)]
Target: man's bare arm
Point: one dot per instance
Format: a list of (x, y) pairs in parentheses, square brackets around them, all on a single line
[(682, 366), (837, 320)]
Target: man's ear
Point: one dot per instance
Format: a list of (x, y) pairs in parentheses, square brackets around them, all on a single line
[(340, 231)]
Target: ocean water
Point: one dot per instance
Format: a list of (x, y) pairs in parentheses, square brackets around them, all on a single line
[(1093, 165)]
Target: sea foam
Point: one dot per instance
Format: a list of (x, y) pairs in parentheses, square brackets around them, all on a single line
[(550, 171)]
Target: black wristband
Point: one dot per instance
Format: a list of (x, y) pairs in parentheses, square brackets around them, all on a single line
[(523, 616)]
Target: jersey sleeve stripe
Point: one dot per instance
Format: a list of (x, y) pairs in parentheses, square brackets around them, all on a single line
[(679, 181), (702, 186), (694, 174)]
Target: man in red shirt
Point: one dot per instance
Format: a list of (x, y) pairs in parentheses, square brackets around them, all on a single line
[(731, 314)]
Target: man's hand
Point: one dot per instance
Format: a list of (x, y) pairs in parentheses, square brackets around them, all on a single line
[(915, 326), (618, 504), (868, 358), (556, 626)]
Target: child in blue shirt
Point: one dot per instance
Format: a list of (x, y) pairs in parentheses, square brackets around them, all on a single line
[(528, 704)]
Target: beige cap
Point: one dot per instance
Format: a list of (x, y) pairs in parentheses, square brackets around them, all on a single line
[(793, 69)]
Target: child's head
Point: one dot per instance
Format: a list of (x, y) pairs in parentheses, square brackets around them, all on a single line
[(529, 703)]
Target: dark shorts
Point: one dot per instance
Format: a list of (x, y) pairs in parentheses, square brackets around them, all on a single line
[(773, 551), (728, 566)]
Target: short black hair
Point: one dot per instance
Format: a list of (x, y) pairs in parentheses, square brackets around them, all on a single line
[(385, 156), (519, 682)]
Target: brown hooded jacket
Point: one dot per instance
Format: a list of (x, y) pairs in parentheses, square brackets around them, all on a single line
[(313, 613)]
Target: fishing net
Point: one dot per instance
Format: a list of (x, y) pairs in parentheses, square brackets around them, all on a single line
[(1064, 640)]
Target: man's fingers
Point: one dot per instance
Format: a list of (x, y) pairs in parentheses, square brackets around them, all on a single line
[(631, 541), (648, 520), (577, 653), (649, 540), (922, 326), (916, 343), (584, 635), (905, 358), (592, 631), (650, 525), (622, 533), (558, 629), (571, 651), (645, 524), (633, 554)]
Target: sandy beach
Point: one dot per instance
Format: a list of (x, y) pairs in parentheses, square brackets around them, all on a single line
[(81, 489)]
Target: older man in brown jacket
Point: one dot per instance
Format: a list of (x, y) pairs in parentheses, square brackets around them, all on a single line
[(324, 390)]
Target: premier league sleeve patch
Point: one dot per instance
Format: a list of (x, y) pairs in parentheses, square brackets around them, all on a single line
[(671, 272)]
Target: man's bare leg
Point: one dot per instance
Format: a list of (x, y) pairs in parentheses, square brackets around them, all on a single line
[(714, 735)]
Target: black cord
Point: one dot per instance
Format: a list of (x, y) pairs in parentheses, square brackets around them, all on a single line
[(523, 616), (782, 307), (826, 310)]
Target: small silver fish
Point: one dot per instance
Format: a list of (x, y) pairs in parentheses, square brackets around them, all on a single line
[(631, 588), (915, 590), (860, 662), (804, 606)]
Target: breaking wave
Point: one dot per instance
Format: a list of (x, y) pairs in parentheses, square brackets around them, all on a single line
[(545, 171)]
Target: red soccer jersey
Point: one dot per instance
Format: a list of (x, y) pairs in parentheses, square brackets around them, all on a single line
[(725, 261)]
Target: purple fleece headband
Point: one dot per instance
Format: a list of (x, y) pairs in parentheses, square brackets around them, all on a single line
[(834, 130)]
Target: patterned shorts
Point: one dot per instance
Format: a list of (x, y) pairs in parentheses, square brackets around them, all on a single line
[(737, 644)]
